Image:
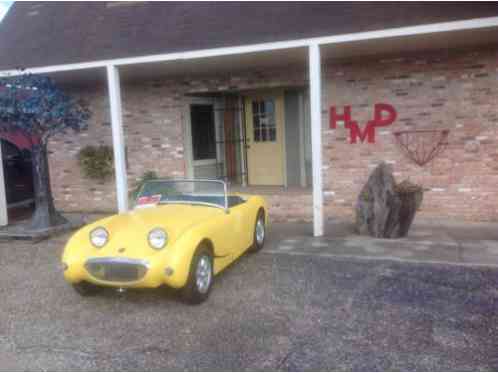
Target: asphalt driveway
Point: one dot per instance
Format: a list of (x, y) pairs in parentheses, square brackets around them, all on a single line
[(268, 311)]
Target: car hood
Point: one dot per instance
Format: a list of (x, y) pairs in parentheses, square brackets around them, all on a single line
[(130, 230), (175, 219)]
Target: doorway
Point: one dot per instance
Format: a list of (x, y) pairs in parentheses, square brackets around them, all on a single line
[(18, 176), (214, 138), (265, 139), (201, 139)]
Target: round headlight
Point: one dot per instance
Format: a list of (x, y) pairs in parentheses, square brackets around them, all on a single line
[(157, 238), (99, 237)]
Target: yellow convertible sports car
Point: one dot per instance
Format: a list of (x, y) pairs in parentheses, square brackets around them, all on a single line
[(181, 233)]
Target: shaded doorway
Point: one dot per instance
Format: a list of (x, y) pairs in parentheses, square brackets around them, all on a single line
[(17, 168)]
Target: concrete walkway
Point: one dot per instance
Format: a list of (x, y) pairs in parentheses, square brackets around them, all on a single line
[(459, 243), (429, 241)]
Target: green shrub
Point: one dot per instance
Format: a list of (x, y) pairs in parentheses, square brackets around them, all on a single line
[(96, 162), (147, 175)]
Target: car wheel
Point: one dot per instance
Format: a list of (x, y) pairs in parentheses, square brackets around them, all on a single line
[(259, 232), (86, 289), (200, 279)]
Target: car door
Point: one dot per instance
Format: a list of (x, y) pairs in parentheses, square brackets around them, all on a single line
[(243, 226), (231, 231)]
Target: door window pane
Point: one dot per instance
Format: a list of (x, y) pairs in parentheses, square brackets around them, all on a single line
[(257, 123), (272, 134), (269, 107), (264, 124), (203, 132)]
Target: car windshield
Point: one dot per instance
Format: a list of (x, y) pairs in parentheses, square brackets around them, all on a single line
[(198, 192)]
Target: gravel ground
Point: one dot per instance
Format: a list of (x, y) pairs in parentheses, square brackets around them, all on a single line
[(266, 312)]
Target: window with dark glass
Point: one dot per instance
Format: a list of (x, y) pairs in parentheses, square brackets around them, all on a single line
[(264, 125), (203, 132)]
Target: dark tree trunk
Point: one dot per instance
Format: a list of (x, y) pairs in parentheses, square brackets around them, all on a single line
[(45, 215)]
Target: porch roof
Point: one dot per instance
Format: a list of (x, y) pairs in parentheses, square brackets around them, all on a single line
[(36, 34)]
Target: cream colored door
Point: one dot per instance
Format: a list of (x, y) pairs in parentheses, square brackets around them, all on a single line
[(265, 139)]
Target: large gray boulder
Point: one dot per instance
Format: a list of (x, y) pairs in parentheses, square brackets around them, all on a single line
[(379, 205)]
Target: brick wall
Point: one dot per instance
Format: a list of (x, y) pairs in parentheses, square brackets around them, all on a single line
[(153, 121), (455, 90), (73, 192), (152, 117)]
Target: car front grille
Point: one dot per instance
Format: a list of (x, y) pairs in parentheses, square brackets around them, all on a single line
[(116, 269)]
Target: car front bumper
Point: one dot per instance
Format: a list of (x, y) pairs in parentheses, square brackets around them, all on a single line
[(122, 272)]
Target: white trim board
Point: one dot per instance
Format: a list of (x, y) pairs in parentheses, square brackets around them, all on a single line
[(301, 129), (472, 24)]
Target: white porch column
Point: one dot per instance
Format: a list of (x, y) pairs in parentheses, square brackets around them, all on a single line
[(4, 220), (316, 136), (118, 143)]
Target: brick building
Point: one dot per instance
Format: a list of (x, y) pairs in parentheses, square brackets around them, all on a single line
[(247, 92)]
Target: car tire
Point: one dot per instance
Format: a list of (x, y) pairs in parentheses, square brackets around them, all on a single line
[(259, 235), (200, 278), (86, 289)]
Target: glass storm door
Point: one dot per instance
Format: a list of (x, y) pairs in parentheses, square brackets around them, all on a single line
[(265, 132), (203, 135)]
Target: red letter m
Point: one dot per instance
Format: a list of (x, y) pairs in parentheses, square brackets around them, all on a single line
[(368, 133)]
